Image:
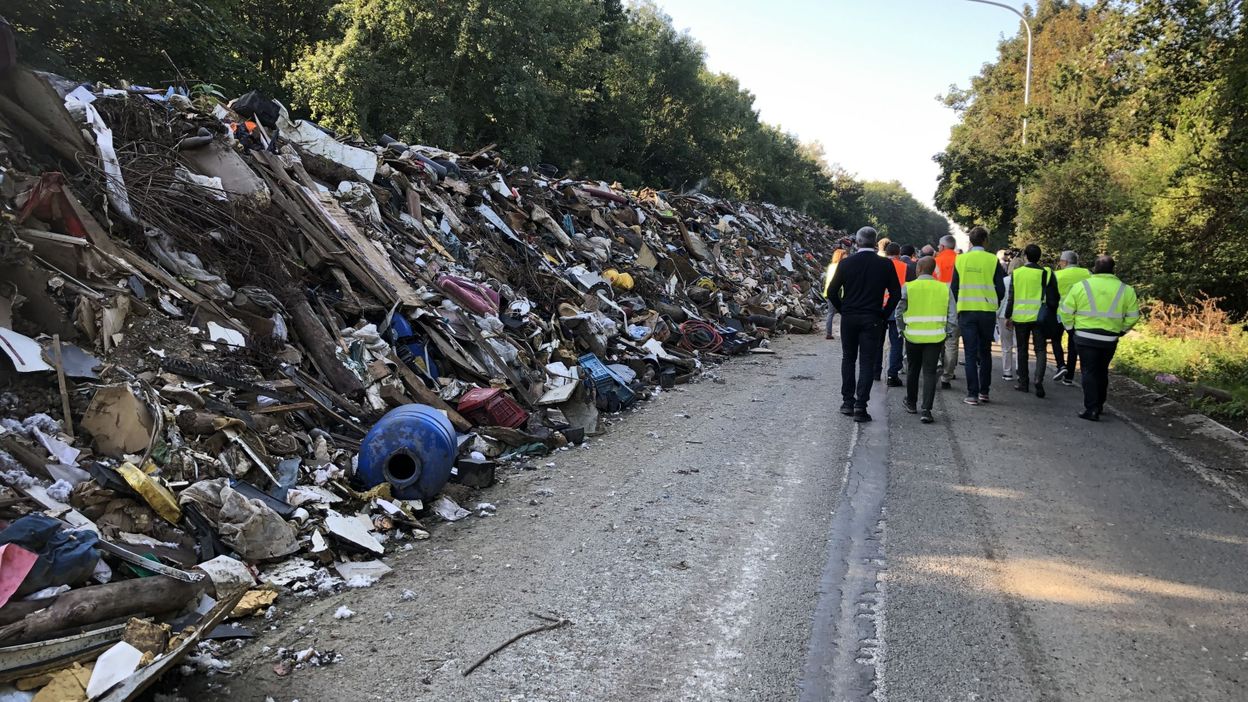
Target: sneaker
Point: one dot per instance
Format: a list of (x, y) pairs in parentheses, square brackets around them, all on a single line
[(1040, 390), (847, 408), (1059, 374), (894, 381), (861, 416), (926, 417), (1068, 382), (1090, 416), (829, 336), (1007, 376), (945, 385), (1022, 387), (983, 398), (909, 406), (972, 400)]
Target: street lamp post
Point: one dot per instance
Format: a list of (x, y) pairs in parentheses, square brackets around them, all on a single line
[(1027, 79)]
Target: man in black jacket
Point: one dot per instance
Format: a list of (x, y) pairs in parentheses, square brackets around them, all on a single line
[(857, 292), (1034, 321)]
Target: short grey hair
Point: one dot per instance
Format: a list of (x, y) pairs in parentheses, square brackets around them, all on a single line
[(948, 241), (1070, 257), (866, 236)]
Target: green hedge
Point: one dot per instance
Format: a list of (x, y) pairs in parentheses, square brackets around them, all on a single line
[(1219, 362)]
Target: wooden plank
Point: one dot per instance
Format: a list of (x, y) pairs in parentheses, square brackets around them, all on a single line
[(282, 409), (60, 380), (426, 396)]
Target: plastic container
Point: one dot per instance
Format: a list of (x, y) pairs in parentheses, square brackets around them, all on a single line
[(413, 448), (410, 348), (601, 376), (492, 407), (613, 393)]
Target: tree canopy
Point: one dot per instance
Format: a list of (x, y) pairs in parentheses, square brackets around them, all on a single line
[(596, 87), (1137, 144)]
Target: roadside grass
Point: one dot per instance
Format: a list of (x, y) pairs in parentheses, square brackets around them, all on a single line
[(1198, 344)]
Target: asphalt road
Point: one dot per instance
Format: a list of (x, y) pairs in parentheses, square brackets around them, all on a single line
[(743, 541)]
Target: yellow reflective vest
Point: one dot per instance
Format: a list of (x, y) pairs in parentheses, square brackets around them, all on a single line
[(1100, 309), (977, 271), (1027, 290), (1068, 276), (927, 310), (827, 277)]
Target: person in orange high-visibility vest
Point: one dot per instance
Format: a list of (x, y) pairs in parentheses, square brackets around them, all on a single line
[(946, 259)]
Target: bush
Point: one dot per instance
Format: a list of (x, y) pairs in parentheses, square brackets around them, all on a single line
[(1198, 343)]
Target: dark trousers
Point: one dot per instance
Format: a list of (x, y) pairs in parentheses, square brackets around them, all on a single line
[(1095, 361), (977, 331), (1065, 358), (860, 355), (1031, 334), (922, 359), (895, 348)]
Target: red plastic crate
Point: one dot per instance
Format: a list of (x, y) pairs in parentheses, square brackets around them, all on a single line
[(492, 407)]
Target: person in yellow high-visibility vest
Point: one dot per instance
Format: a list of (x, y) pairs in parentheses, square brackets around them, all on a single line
[(1098, 311), (1031, 315), (1068, 273), (978, 285), (926, 315)]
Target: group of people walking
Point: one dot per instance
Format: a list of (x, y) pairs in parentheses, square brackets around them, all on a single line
[(924, 302)]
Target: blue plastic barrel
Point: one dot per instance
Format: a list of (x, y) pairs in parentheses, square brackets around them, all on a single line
[(413, 448)]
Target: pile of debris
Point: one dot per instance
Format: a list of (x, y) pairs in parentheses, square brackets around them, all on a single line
[(243, 355)]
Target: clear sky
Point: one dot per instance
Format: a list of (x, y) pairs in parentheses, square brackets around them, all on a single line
[(861, 76)]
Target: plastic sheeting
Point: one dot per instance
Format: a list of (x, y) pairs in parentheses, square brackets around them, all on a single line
[(250, 527)]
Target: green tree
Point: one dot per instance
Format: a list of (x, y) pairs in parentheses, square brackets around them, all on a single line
[(899, 216)]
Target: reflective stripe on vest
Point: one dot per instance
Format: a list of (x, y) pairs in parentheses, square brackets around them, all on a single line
[(976, 289), (1084, 334), (1104, 320), (927, 305), (1028, 293)]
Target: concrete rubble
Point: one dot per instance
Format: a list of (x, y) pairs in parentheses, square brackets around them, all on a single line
[(216, 320)]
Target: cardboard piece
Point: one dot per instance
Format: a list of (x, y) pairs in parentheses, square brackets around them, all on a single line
[(119, 422)]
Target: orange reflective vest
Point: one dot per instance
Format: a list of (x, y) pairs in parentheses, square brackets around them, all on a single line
[(944, 265), (899, 266)]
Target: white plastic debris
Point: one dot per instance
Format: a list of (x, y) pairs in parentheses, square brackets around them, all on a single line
[(446, 508), (113, 666), (370, 571), (343, 613)]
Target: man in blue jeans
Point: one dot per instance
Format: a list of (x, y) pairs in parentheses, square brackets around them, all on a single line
[(857, 291), (979, 285), (905, 272)]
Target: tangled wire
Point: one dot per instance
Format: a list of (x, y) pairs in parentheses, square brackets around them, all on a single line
[(697, 335)]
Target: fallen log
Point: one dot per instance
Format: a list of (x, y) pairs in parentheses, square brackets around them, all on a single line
[(318, 344), (17, 610), (97, 603)]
